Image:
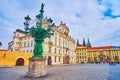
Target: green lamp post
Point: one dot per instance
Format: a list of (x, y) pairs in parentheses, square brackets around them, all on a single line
[(38, 33)]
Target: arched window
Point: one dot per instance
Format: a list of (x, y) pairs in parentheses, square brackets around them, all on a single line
[(59, 58), (55, 50), (31, 43), (59, 51), (55, 58), (24, 44), (49, 49), (28, 44)]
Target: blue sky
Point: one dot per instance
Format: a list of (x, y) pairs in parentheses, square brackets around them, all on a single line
[(98, 20)]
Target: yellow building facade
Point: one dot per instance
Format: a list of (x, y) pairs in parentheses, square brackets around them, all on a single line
[(103, 54), (81, 54), (14, 58)]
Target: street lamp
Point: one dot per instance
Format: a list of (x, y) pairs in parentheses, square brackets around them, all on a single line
[(26, 24), (37, 62), (38, 33)]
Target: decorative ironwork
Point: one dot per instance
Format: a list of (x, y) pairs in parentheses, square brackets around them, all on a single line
[(38, 33)]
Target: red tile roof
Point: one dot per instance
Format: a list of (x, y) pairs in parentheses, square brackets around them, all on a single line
[(2, 50), (100, 47)]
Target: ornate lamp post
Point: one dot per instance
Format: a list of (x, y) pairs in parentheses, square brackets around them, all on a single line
[(37, 62), (38, 33)]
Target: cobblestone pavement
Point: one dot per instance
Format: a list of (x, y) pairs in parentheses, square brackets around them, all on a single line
[(114, 73), (65, 72)]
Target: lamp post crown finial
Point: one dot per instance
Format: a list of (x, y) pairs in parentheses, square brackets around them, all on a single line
[(42, 6)]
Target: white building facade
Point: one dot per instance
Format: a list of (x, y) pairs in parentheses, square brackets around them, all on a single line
[(58, 49)]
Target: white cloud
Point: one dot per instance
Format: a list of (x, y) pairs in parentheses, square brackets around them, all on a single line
[(83, 17)]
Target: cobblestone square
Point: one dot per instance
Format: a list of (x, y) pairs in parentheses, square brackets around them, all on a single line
[(65, 72)]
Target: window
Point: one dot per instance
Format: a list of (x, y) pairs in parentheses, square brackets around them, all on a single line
[(18, 35), (63, 42), (55, 58), (28, 44), (59, 58), (24, 44), (55, 50), (55, 41), (63, 51), (59, 51), (107, 57), (31, 43), (49, 49), (11, 49), (31, 51), (59, 42)]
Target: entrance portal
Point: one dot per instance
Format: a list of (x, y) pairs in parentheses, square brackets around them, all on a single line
[(101, 58), (66, 59), (20, 62), (49, 60)]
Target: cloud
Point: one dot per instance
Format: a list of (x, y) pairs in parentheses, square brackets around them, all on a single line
[(109, 13), (111, 39), (111, 10), (85, 18), (99, 2)]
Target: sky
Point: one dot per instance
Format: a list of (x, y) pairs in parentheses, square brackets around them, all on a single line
[(98, 20)]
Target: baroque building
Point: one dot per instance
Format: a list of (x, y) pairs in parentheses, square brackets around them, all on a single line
[(58, 49), (101, 54)]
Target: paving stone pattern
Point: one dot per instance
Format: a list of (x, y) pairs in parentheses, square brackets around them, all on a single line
[(65, 72)]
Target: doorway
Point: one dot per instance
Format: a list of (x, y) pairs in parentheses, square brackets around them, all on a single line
[(49, 61), (20, 62)]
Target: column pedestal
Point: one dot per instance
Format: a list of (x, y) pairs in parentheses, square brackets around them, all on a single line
[(36, 67)]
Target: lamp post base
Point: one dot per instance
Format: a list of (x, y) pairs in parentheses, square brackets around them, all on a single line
[(36, 67)]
